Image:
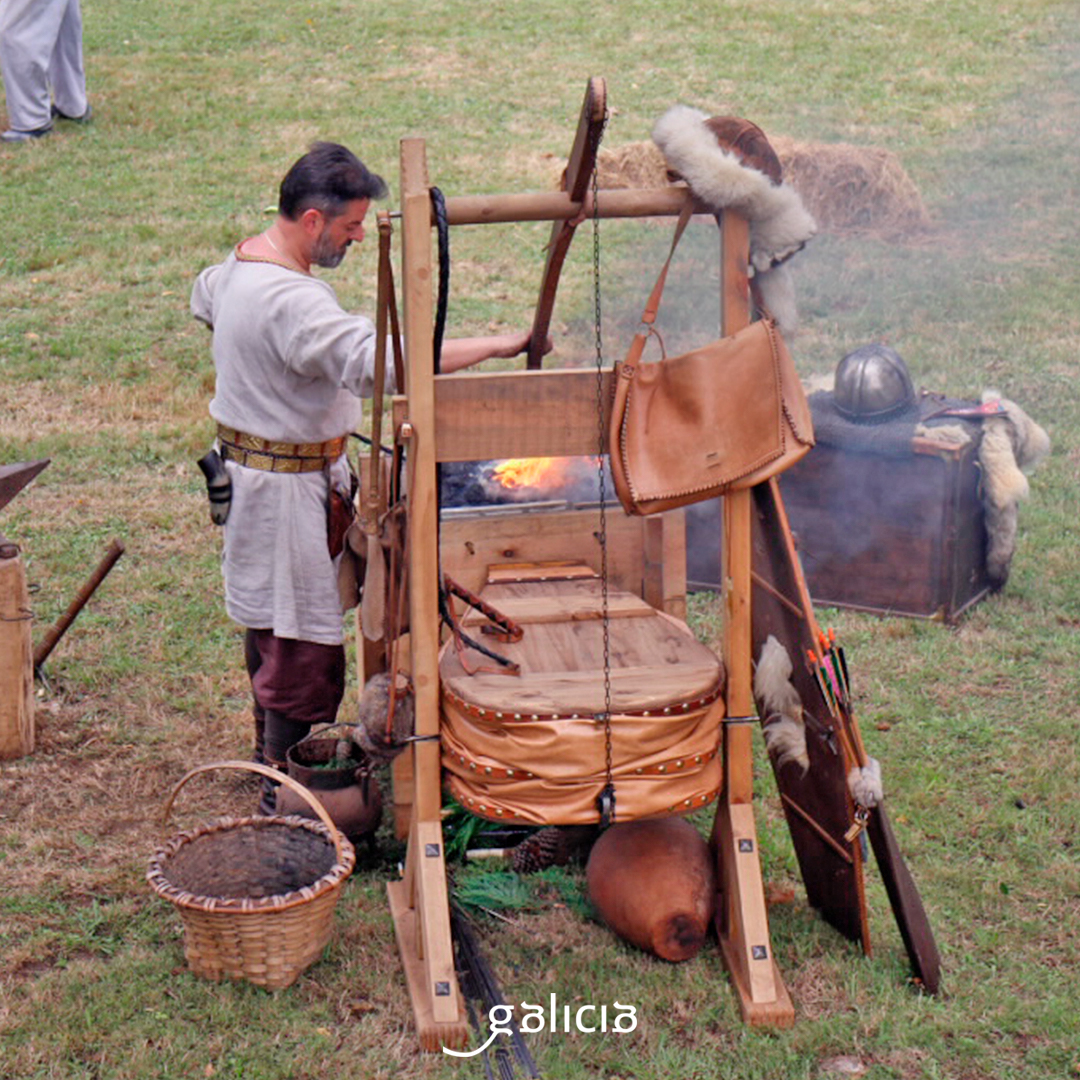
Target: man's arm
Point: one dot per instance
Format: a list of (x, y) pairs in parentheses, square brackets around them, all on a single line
[(458, 353)]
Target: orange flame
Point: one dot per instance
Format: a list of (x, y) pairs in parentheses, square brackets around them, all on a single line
[(531, 472)]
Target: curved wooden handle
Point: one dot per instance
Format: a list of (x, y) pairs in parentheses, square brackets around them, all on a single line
[(273, 774), (579, 170)]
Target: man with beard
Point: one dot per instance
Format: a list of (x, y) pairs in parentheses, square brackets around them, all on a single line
[(291, 367)]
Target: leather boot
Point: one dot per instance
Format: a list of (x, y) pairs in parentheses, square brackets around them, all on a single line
[(279, 734)]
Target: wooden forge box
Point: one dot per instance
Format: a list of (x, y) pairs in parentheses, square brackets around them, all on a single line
[(889, 533)]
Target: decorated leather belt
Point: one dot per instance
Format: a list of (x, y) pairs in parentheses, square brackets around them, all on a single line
[(280, 457)]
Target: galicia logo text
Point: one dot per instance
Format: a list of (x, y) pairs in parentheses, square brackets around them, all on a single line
[(587, 1019)]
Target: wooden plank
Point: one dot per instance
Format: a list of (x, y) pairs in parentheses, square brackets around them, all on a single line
[(553, 571), (744, 937), (424, 939), (423, 525), (664, 562), (404, 793), (478, 414), (564, 609)]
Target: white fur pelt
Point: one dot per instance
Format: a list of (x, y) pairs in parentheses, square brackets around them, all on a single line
[(779, 222), (865, 784), (782, 714), (1011, 447)]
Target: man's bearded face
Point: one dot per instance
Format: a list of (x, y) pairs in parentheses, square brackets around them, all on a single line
[(328, 252)]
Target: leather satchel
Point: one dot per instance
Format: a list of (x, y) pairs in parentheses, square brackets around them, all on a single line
[(720, 418)]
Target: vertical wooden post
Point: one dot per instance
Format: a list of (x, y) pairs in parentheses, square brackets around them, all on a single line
[(743, 921), (420, 902), (16, 657), (664, 558)]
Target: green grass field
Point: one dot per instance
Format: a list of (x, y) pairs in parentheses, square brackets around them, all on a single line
[(199, 107)]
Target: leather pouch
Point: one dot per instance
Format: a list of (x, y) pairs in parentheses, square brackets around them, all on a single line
[(719, 418)]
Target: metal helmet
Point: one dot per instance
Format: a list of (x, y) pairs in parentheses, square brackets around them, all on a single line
[(872, 384)]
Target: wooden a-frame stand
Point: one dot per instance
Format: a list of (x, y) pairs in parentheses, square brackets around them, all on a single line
[(478, 416)]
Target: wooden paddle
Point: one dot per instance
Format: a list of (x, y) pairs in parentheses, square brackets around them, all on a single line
[(579, 170), (903, 894)]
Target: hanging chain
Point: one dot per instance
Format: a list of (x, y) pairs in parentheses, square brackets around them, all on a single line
[(606, 801)]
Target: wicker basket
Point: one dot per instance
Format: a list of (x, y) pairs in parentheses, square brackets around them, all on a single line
[(256, 895)]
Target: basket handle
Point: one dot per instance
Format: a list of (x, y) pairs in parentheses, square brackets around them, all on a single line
[(273, 774)]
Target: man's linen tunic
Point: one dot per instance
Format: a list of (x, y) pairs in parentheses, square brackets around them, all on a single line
[(291, 366)]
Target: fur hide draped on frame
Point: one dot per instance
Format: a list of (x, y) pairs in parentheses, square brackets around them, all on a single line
[(779, 705), (721, 177), (1011, 447)]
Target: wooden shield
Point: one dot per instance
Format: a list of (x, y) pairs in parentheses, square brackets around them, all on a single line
[(816, 801)]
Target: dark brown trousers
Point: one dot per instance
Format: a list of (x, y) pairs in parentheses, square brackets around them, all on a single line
[(294, 684)]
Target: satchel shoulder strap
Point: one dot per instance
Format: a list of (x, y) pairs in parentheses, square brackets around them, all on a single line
[(653, 306)]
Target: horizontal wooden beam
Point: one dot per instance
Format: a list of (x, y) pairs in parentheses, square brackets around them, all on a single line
[(560, 206), (485, 416)]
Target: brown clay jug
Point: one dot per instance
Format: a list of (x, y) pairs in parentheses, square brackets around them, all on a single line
[(348, 791), (653, 882)]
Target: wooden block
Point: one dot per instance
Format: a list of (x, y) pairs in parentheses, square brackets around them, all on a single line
[(744, 923), (434, 1034), (16, 661), (433, 914)]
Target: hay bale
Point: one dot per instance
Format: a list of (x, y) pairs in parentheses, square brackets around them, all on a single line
[(634, 165), (854, 189), (848, 189)]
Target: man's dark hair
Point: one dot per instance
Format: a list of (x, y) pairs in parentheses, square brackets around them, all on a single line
[(327, 178)]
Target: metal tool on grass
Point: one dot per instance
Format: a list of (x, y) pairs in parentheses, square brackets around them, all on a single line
[(57, 631), (479, 983)]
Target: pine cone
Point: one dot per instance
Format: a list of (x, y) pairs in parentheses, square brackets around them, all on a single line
[(556, 845)]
